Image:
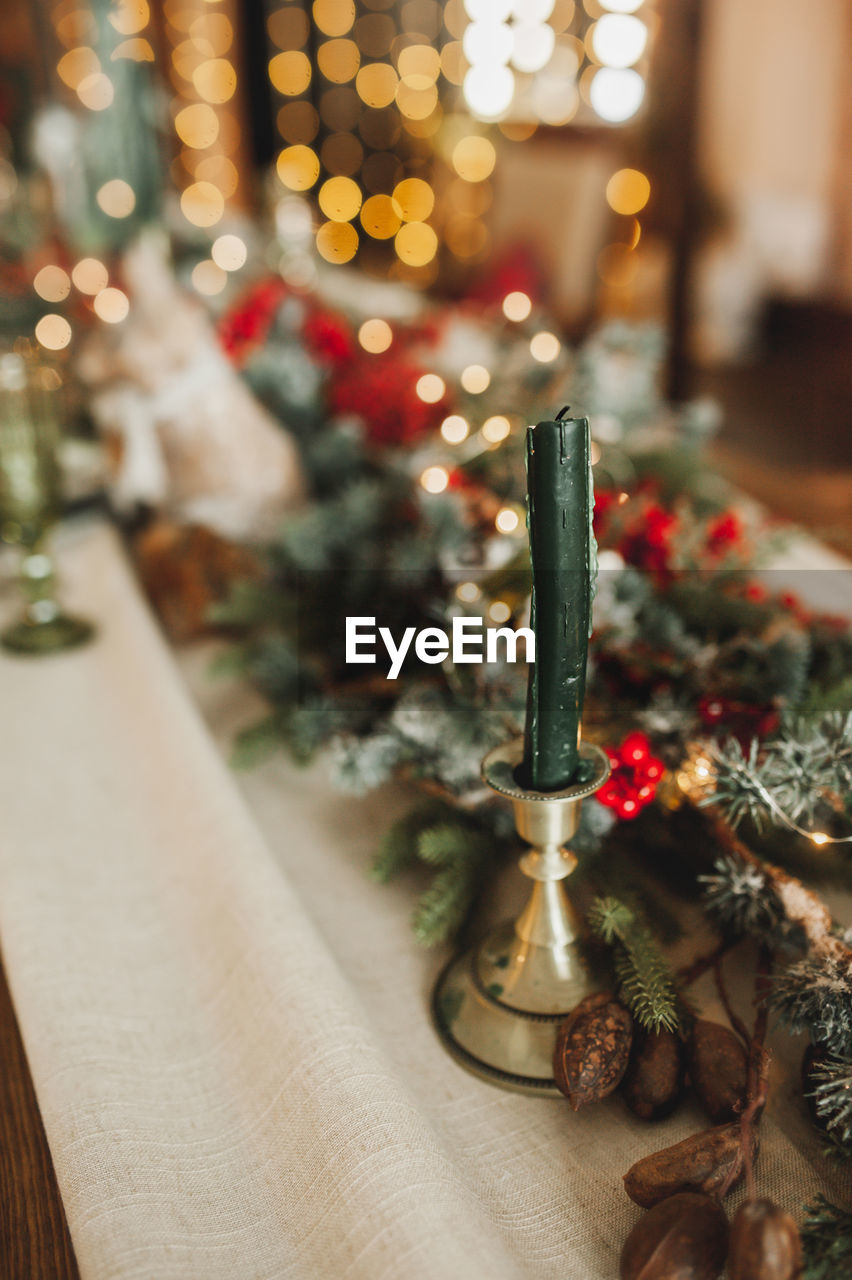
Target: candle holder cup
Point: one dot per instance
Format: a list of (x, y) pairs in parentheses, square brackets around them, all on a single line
[(498, 1006)]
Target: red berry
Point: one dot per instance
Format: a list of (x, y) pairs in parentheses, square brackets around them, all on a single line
[(635, 748)]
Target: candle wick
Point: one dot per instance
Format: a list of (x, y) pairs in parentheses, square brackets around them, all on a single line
[(561, 414)]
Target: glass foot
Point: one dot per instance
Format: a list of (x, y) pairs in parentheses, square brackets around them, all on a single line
[(61, 632)]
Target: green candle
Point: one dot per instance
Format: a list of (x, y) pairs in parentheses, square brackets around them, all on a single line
[(564, 564)]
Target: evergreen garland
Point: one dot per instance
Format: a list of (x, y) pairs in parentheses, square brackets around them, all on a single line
[(832, 1095), (454, 848), (805, 769), (645, 981), (827, 1241)]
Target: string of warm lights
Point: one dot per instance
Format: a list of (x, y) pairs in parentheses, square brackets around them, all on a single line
[(551, 61), (362, 123), (203, 73), (695, 778), (93, 43)]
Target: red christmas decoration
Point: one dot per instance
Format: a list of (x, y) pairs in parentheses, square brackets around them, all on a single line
[(744, 720), (381, 391), (724, 533), (329, 337), (246, 325), (647, 545), (634, 779)]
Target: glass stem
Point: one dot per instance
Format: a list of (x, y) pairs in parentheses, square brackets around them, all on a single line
[(37, 577)]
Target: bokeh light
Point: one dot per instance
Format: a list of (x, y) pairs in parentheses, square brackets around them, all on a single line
[(298, 122), (96, 92), (298, 167), (616, 95), (474, 158), (516, 306), (52, 284), (129, 16), (116, 198), (415, 198), (628, 191), (376, 84), (340, 199), (197, 125), (455, 428), (435, 479), (381, 217), (111, 305), (90, 276), (430, 388), (545, 347), (337, 241), (215, 81), (416, 244), (475, 379), (496, 428), (334, 17), (375, 336), (229, 252), (290, 73), (618, 40), (507, 520), (208, 278), (339, 60), (53, 332), (202, 204)]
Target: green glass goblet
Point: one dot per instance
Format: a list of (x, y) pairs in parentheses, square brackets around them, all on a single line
[(30, 503)]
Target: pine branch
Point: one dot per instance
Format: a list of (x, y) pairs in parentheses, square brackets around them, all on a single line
[(827, 1241), (797, 770), (458, 851), (399, 846), (815, 995), (832, 1096), (645, 981)]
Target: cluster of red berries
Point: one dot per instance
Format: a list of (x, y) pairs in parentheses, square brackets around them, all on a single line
[(634, 778)]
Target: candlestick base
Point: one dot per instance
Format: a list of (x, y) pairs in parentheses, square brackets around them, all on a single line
[(497, 1007)]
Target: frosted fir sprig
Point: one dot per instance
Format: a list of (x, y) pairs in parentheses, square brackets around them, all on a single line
[(789, 780)]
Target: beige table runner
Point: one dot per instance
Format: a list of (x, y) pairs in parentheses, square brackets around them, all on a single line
[(227, 1023)]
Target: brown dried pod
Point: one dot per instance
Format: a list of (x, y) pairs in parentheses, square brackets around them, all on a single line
[(701, 1162), (765, 1243), (718, 1068), (682, 1238), (592, 1049), (653, 1082)]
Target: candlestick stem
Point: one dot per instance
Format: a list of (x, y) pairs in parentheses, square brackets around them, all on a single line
[(498, 1006)]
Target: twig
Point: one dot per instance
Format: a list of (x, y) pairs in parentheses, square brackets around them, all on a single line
[(689, 973), (757, 1081), (736, 1022)]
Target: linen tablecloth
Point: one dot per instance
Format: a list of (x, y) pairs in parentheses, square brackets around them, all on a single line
[(227, 1022)]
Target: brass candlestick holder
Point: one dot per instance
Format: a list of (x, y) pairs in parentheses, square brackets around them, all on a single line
[(498, 1006)]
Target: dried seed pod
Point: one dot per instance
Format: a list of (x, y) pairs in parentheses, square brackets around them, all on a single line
[(682, 1238), (701, 1162), (765, 1243), (592, 1049), (718, 1067), (653, 1082)]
